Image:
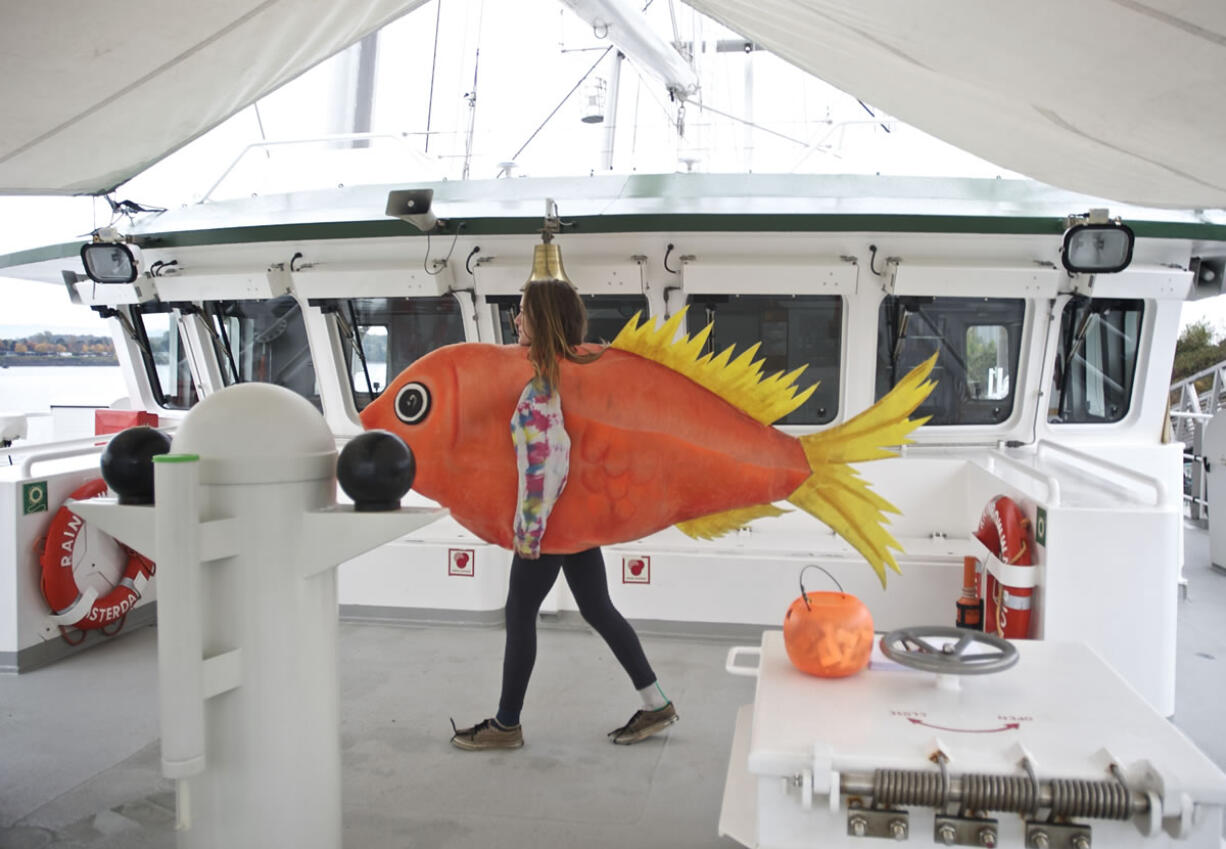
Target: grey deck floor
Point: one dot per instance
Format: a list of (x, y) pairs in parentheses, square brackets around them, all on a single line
[(79, 750)]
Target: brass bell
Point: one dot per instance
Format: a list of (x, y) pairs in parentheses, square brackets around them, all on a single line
[(547, 264)]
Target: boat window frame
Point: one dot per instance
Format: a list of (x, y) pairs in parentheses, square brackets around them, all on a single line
[(343, 313), (838, 368), (140, 335), (1076, 336), (223, 344), (506, 306), (897, 326)]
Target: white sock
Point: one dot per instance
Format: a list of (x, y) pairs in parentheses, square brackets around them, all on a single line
[(653, 696)]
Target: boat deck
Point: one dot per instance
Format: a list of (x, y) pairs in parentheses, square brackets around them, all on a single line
[(80, 759)]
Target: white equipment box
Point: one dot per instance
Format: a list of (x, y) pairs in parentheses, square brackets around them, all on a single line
[(1057, 752)]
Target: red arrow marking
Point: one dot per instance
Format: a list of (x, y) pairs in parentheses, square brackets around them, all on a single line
[(1011, 726)]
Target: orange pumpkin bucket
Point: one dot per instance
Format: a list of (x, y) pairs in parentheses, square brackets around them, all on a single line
[(828, 634)]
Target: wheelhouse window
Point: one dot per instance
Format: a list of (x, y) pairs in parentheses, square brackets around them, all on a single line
[(1097, 360), (264, 341), (978, 342), (795, 330), (164, 353), (606, 315), (384, 336)]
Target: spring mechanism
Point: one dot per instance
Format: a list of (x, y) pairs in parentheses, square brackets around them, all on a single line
[(1106, 800), (1015, 793), (892, 787), (1021, 794)]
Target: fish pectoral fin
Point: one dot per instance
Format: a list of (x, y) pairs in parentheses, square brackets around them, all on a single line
[(717, 524)]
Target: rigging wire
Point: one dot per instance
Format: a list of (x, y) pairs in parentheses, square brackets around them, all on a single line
[(438, 14), (561, 102), (884, 126), (704, 106)]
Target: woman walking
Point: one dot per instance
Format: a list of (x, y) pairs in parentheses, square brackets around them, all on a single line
[(551, 323)]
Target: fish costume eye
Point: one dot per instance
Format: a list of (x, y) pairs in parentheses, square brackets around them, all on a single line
[(412, 403)]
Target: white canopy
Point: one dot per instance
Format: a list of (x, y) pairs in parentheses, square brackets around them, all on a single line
[(94, 93), (1114, 98), (1119, 99)]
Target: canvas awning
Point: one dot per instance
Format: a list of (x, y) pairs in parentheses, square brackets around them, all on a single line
[(1118, 99), (1112, 98), (94, 93)]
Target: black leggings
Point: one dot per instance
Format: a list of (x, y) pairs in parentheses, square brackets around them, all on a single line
[(531, 581)]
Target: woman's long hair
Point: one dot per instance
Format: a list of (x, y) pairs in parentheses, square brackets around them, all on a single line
[(557, 323)]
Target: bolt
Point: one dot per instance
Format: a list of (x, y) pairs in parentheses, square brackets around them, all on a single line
[(987, 837), (1081, 841), (1039, 840), (898, 829), (858, 825), (947, 833)]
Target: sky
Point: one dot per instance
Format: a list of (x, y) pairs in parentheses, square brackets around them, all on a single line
[(520, 80)]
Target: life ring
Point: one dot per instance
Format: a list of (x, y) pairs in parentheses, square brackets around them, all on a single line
[(69, 605), (1004, 530)]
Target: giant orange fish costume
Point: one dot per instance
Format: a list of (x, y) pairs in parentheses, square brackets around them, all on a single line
[(660, 434)]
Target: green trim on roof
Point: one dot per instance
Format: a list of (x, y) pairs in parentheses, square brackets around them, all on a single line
[(27, 257), (647, 223)]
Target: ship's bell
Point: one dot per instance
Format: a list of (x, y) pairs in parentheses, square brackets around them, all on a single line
[(547, 264)]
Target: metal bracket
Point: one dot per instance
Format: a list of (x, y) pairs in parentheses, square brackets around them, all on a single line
[(965, 831), (878, 822), (1050, 835)]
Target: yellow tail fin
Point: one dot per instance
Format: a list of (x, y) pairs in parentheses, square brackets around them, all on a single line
[(835, 492)]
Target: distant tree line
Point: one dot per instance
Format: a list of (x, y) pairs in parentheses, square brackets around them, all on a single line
[(1197, 350), (53, 344)]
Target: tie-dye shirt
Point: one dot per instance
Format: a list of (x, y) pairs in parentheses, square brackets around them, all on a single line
[(542, 452)]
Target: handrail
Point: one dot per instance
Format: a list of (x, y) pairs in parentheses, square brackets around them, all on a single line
[(1049, 481), (399, 137), (1195, 377), (64, 453), (40, 451), (1123, 471)]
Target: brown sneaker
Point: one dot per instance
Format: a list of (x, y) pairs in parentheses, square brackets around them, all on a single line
[(643, 724), (487, 734)]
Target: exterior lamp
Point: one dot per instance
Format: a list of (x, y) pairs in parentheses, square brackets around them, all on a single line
[(110, 262), (1095, 245)]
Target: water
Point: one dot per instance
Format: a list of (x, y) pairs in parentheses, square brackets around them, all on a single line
[(34, 389)]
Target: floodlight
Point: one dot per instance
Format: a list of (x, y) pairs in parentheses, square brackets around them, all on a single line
[(1097, 248), (110, 262)]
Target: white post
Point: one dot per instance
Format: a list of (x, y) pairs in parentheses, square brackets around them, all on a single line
[(180, 647), (610, 112)]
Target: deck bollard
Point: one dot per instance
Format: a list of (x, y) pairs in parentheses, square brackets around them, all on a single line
[(246, 535)]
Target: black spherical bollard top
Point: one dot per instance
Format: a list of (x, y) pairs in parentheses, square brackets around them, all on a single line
[(376, 469), (127, 463)]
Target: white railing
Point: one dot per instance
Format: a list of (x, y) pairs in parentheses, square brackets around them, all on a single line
[(1099, 465)]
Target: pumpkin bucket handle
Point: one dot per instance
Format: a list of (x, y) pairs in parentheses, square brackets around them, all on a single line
[(805, 595)]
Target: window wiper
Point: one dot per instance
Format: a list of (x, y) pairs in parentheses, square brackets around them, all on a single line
[(351, 331), (224, 341), (1075, 345)]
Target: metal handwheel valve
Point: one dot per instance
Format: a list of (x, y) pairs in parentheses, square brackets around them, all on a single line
[(949, 652)]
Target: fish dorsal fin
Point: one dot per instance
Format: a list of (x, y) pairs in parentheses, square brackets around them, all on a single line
[(718, 524), (738, 381)]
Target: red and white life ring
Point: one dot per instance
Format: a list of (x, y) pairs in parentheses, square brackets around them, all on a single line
[(1004, 530), (69, 605)]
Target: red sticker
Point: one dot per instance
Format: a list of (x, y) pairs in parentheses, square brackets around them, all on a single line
[(636, 570), (461, 561)]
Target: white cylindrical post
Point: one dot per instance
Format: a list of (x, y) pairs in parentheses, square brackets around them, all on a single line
[(180, 625), (273, 779)]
